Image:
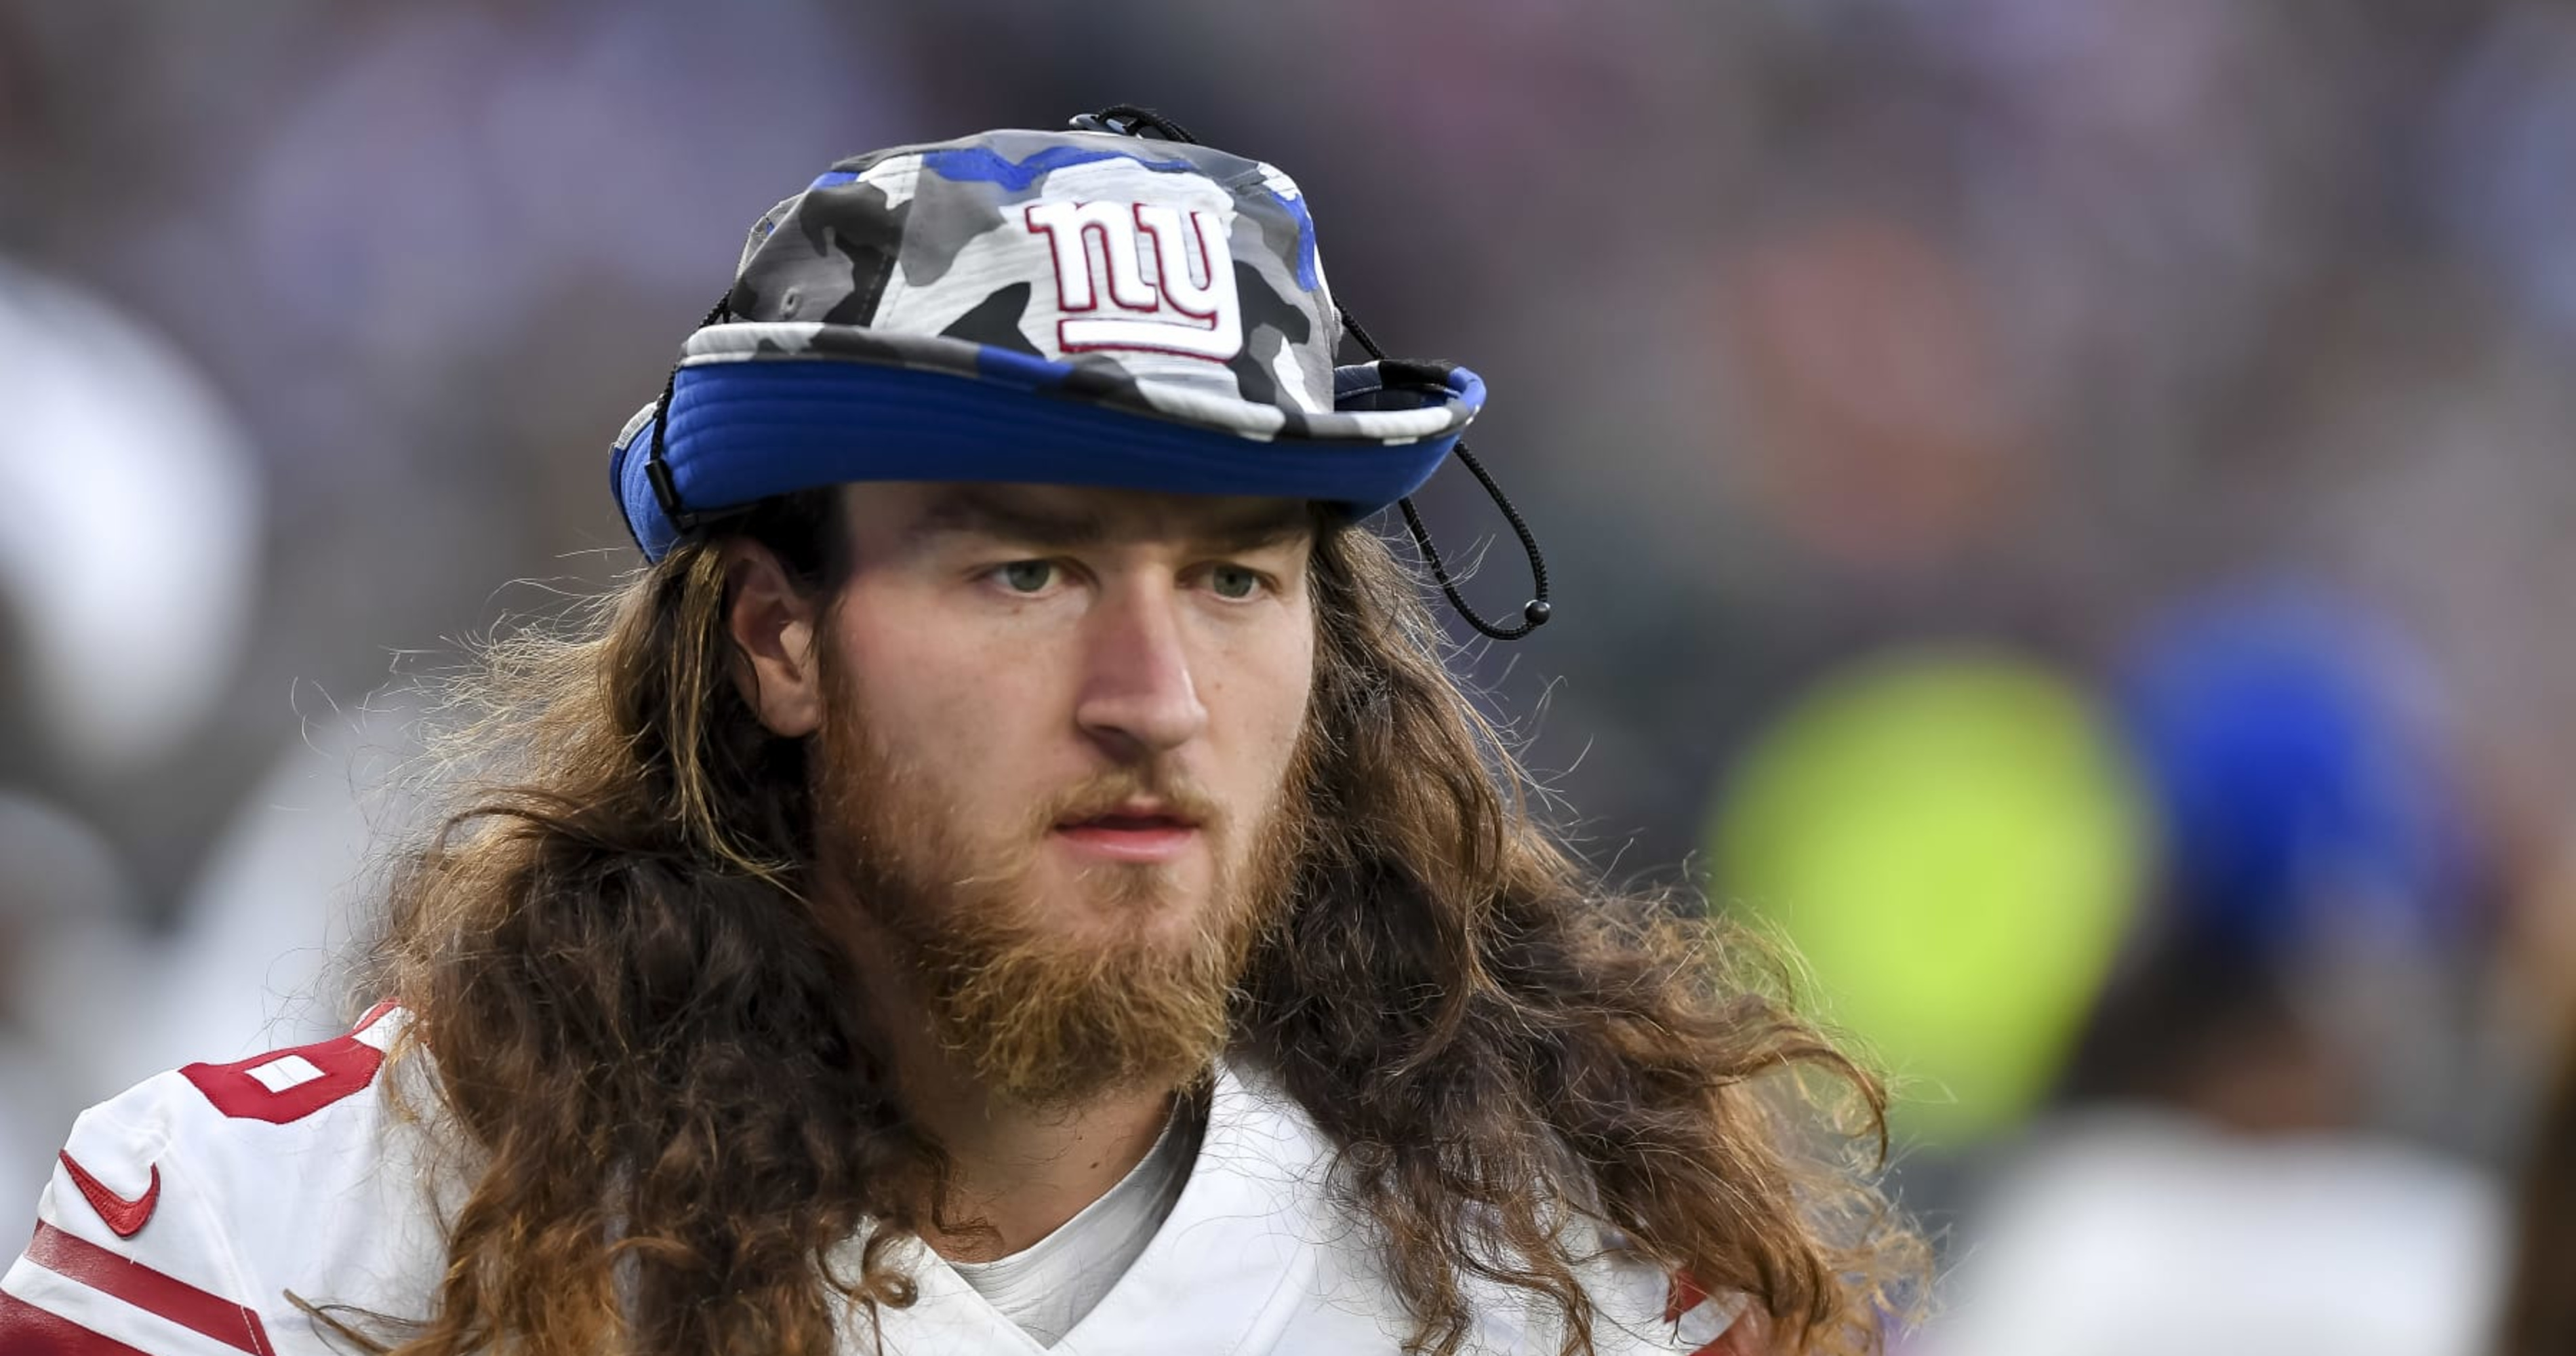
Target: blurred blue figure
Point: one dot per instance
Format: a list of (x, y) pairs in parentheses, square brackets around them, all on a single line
[(2219, 1176), (2286, 743)]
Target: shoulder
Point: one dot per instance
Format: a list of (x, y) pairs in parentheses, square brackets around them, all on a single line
[(1638, 1309), (1349, 1304), (181, 1211)]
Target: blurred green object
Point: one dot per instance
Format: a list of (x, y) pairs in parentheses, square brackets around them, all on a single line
[(1954, 841)]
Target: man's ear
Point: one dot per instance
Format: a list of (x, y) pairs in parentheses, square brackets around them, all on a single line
[(776, 629)]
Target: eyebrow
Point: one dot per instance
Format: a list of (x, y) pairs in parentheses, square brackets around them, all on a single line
[(974, 512)]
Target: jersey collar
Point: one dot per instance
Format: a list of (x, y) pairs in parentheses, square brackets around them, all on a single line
[(1224, 1273)]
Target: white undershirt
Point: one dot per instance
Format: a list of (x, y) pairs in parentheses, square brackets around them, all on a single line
[(1047, 1287)]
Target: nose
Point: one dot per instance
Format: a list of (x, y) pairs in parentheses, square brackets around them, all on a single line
[(1137, 698)]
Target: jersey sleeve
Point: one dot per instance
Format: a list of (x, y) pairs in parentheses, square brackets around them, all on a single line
[(169, 1201), (129, 1252)]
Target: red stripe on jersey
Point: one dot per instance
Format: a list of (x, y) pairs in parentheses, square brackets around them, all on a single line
[(26, 1330), (344, 1064), (221, 1319)]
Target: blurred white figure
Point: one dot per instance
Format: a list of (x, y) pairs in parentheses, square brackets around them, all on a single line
[(132, 548), (2133, 1231)]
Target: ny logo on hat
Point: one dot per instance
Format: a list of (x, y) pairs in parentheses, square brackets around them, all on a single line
[(1179, 309)]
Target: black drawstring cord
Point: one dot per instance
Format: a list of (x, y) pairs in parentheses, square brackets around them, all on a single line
[(1534, 613), (657, 471), (1135, 120)]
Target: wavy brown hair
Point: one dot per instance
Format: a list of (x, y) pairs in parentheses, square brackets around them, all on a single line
[(680, 1134)]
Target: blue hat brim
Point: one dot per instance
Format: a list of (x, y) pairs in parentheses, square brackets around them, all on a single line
[(744, 431)]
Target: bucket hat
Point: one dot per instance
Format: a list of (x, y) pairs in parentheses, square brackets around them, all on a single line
[(1075, 307)]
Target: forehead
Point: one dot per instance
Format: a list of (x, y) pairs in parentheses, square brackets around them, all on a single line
[(1069, 515)]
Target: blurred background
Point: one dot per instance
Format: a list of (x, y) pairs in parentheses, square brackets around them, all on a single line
[(2057, 507)]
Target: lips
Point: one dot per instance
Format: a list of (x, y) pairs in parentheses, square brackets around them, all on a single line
[(1134, 815), (1135, 833), (1133, 823)]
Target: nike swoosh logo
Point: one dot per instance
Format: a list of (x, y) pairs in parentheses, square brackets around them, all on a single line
[(125, 1218)]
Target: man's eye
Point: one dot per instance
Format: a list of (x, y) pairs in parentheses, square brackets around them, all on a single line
[(1026, 576), (1234, 582)]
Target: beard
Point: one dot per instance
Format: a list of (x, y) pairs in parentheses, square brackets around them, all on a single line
[(1052, 1015)]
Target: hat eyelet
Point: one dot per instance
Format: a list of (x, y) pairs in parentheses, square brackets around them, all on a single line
[(788, 301)]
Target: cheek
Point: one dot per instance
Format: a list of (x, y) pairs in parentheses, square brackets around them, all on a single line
[(1263, 698), (957, 711)]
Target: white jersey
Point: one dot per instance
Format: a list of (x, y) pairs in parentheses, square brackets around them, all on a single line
[(183, 1215)]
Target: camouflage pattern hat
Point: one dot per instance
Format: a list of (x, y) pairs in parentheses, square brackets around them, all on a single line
[(1076, 308)]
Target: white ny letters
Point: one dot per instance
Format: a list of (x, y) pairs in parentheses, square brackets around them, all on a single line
[(1187, 305)]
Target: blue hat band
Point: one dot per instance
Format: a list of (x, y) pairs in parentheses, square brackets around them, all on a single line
[(744, 431)]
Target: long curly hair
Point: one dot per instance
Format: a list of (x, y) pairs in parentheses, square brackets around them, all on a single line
[(681, 1137)]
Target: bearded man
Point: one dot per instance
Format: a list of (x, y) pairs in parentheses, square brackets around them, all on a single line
[(1012, 873)]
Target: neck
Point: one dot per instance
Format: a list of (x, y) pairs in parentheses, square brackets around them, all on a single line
[(1017, 1172)]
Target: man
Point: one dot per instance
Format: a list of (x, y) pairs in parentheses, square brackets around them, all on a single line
[(1012, 874)]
